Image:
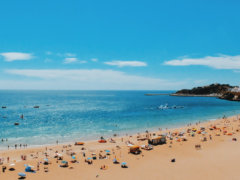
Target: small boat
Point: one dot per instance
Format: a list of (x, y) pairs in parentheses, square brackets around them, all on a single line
[(16, 123), (22, 116), (162, 107), (36, 106), (4, 107)]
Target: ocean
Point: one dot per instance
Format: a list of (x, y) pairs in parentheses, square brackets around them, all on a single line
[(69, 116)]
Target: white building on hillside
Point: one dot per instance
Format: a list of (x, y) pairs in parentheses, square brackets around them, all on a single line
[(236, 89)]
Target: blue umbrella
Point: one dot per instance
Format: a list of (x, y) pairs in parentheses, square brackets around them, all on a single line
[(124, 163), (22, 174), (28, 169), (64, 162), (46, 160), (107, 151), (73, 157), (89, 158)]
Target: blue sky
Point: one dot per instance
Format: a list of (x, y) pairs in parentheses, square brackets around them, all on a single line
[(133, 44)]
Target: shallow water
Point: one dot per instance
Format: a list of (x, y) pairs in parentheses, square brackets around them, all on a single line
[(83, 115)]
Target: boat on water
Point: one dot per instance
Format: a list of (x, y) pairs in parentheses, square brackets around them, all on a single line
[(36, 106), (166, 106), (16, 123), (22, 116), (4, 107)]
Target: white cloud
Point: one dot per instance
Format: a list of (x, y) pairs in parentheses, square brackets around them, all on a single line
[(70, 60), (16, 56), (126, 63), (49, 53), (70, 54), (94, 59), (73, 60), (91, 79), (218, 62)]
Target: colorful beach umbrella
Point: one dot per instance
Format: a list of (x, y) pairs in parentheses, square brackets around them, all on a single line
[(107, 151), (64, 162), (89, 158), (73, 157), (124, 163)]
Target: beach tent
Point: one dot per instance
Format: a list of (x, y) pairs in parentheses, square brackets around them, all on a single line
[(157, 141)]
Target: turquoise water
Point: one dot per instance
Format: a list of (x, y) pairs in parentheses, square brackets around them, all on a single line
[(69, 116)]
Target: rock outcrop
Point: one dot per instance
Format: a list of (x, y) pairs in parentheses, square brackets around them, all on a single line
[(222, 91)]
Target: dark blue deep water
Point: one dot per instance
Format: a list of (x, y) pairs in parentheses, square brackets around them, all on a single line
[(81, 115)]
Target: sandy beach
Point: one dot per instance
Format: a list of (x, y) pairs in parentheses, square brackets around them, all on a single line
[(207, 150)]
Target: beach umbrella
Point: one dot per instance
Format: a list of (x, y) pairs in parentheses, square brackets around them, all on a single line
[(64, 162), (124, 163), (22, 174), (28, 165), (46, 160), (12, 164), (89, 158), (28, 169), (107, 151), (73, 157)]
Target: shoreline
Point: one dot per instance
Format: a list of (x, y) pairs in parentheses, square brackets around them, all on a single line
[(160, 156), (120, 135), (152, 130)]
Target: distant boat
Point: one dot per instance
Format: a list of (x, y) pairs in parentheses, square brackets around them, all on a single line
[(4, 107), (36, 106), (16, 123), (22, 116), (162, 107)]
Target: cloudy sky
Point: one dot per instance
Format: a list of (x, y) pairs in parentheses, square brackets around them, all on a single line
[(111, 45)]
